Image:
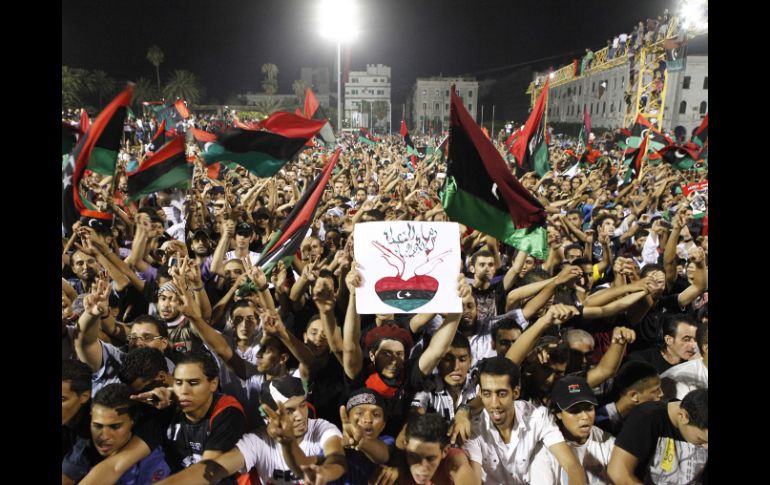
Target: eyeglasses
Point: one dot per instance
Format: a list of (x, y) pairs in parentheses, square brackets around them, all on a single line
[(146, 338)]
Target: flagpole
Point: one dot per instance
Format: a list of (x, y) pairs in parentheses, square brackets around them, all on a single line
[(482, 116), (493, 120)]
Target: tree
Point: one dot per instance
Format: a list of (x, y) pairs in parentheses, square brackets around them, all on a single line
[(100, 84), (155, 56), (145, 91), (300, 88), (184, 84), (72, 87), (270, 83), (269, 105)]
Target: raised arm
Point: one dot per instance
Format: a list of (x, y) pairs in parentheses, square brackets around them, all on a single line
[(699, 281), (439, 343), (615, 307), (610, 363), (218, 260), (87, 345), (566, 275), (323, 296), (556, 315), (669, 253), (512, 274), (352, 355), (273, 326), (524, 292)]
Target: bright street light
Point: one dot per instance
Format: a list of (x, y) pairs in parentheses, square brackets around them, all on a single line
[(338, 20)]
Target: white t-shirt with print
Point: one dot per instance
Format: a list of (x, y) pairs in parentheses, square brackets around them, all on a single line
[(260, 451)]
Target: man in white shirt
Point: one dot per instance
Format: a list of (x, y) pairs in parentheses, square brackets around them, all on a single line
[(505, 436), (291, 449), (574, 404), (693, 374)]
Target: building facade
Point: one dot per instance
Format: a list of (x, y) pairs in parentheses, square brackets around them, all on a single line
[(603, 95), (428, 104), (367, 98)]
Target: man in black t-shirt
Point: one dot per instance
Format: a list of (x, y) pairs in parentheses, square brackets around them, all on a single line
[(206, 423), (663, 443), (679, 337)]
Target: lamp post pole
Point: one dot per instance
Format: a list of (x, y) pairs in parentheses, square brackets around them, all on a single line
[(339, 87)]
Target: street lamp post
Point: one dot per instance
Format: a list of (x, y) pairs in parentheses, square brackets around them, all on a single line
[(338, 21), (339, 85)]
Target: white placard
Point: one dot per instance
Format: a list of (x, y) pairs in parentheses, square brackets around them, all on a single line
[(408, 267)]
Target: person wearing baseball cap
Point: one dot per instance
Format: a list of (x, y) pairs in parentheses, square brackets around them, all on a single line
[(574, 403)]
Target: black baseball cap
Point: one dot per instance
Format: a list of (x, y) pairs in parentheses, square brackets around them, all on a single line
[(572, 390), (244, 229)]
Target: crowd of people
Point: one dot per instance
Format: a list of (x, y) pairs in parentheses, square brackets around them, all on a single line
[(184, 362)]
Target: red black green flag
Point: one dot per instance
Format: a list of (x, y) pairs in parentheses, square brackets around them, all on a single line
[(640, 129), (287, 241), (159, 139), (263, 153), (681, 157), (530, 149), (311, 104), (701, 135), (99, 144), (365, 137), (481, 192), (635, 163), (585, 134), (166, 169)]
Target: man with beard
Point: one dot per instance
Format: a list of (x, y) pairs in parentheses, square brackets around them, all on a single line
[(290, 448), (388, 345), (105, 359), (507, 433)]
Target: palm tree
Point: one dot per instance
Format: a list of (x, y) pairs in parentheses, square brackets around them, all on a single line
[(72, 87), (155, 56), (270, 83), (185, 85), (269, 105), (300, 88), (144, 91), (100, 84)]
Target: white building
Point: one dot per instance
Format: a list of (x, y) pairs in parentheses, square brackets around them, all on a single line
[(366, 93), (686, 97), (429, 102)]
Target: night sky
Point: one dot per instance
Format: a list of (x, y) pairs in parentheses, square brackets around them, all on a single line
[(225, 42)]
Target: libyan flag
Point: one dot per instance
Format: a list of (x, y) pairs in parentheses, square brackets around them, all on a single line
[(100, 142), (481, 192), (168, 168), (365, 137), (263, 153), (287, 241), (701, 135), (530, 149), (641, 128), (681, 157)]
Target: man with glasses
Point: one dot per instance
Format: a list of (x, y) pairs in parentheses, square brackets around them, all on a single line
[(105, 359), (292, 447)]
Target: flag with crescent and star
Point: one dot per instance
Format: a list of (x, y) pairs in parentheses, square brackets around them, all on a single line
[(481, 192)]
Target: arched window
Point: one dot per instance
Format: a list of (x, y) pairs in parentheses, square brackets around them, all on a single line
[(703, 107), (682, 107)]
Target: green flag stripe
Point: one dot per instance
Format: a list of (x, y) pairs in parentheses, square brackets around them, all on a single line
[(493, 221), (178, 177), (103, 161), (260, 164), (366, 140)]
